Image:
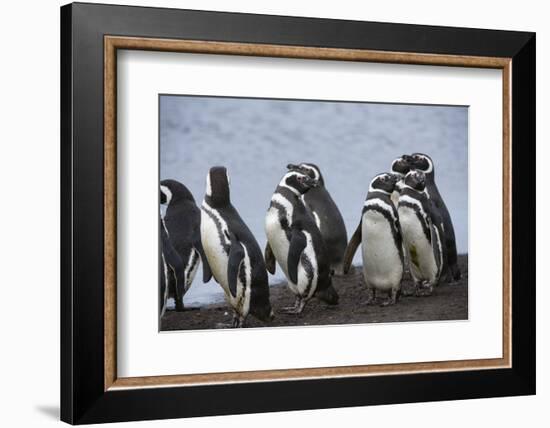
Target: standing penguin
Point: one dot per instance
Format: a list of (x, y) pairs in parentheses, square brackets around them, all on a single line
[(425, 164), (422, 232), (233, 254), (295, 242), (326, 214), (182, 221), (380, 235)]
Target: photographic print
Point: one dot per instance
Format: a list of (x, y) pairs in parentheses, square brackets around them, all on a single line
[(281, 212), (326, 190)]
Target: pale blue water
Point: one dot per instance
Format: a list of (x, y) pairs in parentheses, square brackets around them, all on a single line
[(350, 142)]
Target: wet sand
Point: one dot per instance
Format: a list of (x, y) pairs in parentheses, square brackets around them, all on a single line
[(448, 302)]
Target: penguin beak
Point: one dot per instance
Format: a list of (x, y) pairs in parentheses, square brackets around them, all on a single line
[(311, 182), (292, 167)]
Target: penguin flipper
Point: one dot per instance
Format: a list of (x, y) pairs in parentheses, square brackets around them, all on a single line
[(206, 271), (176, 271), (437, 238), (352, 248), (236, 258), (162, 288), (438, 247), (269, 259), (298, 242)]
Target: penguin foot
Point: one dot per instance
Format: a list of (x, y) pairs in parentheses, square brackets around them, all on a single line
[(237, 323), (393, 296), (293, 310), (224, 325), (370, 301), (288, 310), (407, 292), (424, 290)]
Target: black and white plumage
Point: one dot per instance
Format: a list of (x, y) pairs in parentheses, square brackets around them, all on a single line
[(233, 254), (422, 232), (379, 234), (326, 214), (172, 269), (424, 163), (399, 168), (296, 244), (182, 222)]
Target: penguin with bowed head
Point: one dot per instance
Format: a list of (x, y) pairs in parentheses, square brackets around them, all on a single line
[(379, 234), (422, 231), (424, 163), (233, 254), (182, 224), (326, 214), (296, 244)]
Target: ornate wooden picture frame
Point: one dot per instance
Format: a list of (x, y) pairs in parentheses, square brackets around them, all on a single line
[(91, 390)]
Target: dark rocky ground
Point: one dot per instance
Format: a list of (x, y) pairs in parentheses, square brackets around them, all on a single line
[(448, 302)]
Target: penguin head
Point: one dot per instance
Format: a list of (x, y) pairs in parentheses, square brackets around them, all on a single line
[(310, 169), (400, 166), (420, 162), (298, 182), (416, 180), (384, 182), (259, 303), (217, 186), (173, 191)]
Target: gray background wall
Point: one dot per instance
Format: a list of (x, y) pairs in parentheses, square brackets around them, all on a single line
[(351, 142)]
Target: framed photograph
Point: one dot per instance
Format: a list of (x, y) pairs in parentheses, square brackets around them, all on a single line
[(265, 213)]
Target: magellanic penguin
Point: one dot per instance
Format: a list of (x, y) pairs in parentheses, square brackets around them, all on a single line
[(421, 228), (172, 269), (233, 254), (326, 214), (295, 242), (424, 163), (182, 221), (379, 233)]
